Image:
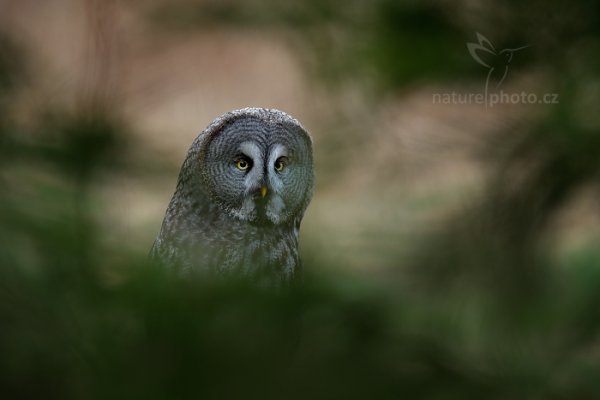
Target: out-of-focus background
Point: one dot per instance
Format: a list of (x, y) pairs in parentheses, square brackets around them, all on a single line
[(452, 245)]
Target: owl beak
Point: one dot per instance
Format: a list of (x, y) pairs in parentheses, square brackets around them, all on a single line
[(263, 191)]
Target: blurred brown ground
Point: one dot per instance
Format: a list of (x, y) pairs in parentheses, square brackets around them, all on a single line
[(386, 170)]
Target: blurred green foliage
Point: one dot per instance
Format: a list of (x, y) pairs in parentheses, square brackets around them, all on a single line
[(391, 42), (482, 310), (394, 43)]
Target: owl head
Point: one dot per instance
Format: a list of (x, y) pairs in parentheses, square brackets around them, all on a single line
[(256, 164)]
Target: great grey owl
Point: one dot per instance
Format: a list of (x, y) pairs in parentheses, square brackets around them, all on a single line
[(240, 197)]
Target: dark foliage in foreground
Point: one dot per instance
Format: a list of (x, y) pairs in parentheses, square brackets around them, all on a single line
[(68, 331)]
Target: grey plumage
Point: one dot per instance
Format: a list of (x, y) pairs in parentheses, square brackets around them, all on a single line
[(240, 197)]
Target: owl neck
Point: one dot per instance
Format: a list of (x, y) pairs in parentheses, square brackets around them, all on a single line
[(265, 251)]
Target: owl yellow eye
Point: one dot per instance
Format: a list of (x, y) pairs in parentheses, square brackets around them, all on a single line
[(280, 164), (242, 164)]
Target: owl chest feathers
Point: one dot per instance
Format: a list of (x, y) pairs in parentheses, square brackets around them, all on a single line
[(198, 236)]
